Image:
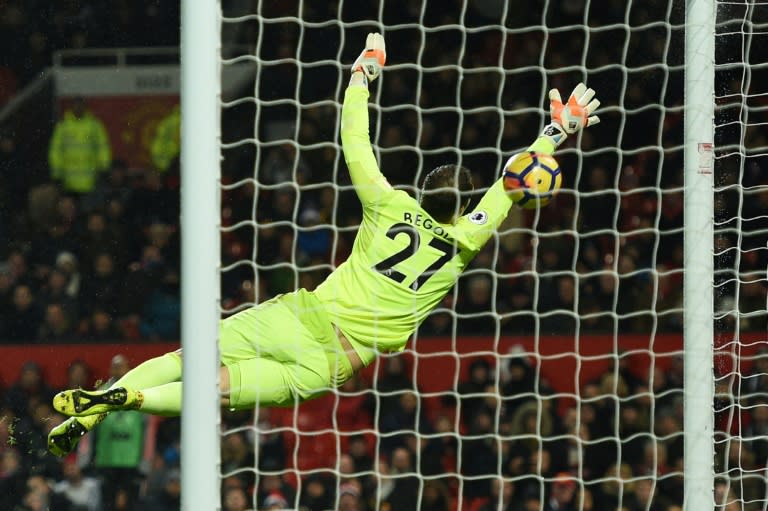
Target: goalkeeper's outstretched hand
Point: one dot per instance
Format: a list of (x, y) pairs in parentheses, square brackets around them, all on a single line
[(373, 57), (568, 118)]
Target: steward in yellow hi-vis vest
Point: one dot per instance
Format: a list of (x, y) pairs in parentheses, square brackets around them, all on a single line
[(406, 256), (79, 149), (166, 144)]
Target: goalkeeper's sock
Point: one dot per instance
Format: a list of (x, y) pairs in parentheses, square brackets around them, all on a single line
[(151, 373), (162, 399)]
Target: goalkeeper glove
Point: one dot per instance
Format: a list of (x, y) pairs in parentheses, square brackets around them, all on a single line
[(372, 59), (568, 118)]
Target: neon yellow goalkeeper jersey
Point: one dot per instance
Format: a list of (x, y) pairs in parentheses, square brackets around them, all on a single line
[(403, 262)]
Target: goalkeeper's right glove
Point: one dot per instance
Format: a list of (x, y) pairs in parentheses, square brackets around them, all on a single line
[(570, 117), (373, 57)]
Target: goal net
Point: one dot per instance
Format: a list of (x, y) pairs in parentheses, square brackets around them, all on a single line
[(551, 377), (741, 256)]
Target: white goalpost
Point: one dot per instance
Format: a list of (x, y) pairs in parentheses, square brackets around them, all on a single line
[(200, 238), (617, 337), (699, 277)]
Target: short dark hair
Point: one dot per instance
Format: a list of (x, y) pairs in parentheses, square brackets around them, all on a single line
[(445, 191)]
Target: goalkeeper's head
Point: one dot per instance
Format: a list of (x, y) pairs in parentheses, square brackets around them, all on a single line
[(446, 192)]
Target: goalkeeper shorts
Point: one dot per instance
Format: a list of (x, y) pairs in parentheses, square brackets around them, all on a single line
[(282, 351)]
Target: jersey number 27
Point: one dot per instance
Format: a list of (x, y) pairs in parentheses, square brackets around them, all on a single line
[(386, 267)]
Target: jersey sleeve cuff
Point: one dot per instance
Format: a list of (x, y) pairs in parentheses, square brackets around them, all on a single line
[(543, 145)]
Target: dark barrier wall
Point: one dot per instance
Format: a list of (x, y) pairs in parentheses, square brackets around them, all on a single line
[(437, 360)]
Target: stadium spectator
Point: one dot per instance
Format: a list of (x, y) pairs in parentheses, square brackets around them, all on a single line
[(82, 492), (270, 442), (13, 478), (235, 499), (237, 453), (59, 237), (725, 495), (115, 184), (353, 411), (668, 429), (97, 239), (56, 326), (616, 487), (360, 452), (100, 326), (440, 453), (14, 182), (283, 164), (349, 498), (79, 375), (152, 202), (282, 278), (479, 455), (28, 390), (67, 263), (272, 485), (745, 473), (25, 312), (756, 379), (55, 292), (585, 499), (158, 467), (165, 144), (120, 449), (645, 498), (502, 497), (103, 287), (14, 267), (347, 471), (161, 314), (141, 277), (562, 493), (439, 323), (755, 433), (30, 433), (399, 425), (479, 304), (315, 493), (274, 500), (79, 149), (393, 379), (471, 391), (40, 496), (313, 241), (634, 421), (169, 495), (6, 290), (405, 492), (519, 382)]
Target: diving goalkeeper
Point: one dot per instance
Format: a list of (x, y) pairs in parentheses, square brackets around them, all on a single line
[(407, 255)]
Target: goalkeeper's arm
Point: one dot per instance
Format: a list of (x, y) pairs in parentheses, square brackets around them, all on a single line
[(567, 118), (370, 184)]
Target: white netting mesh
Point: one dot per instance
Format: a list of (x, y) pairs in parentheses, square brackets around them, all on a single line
[(570, 321), (741, 255)]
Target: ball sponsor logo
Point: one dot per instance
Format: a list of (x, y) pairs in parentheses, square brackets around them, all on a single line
[(478, 217)]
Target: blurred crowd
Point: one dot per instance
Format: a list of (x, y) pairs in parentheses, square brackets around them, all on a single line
[(92, 253), (501, 439), (37, 28)]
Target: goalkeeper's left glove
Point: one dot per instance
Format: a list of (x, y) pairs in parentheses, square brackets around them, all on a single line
[(373, 57), (568, 118)]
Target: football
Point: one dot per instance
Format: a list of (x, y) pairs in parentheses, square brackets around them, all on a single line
[(532, 179)]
